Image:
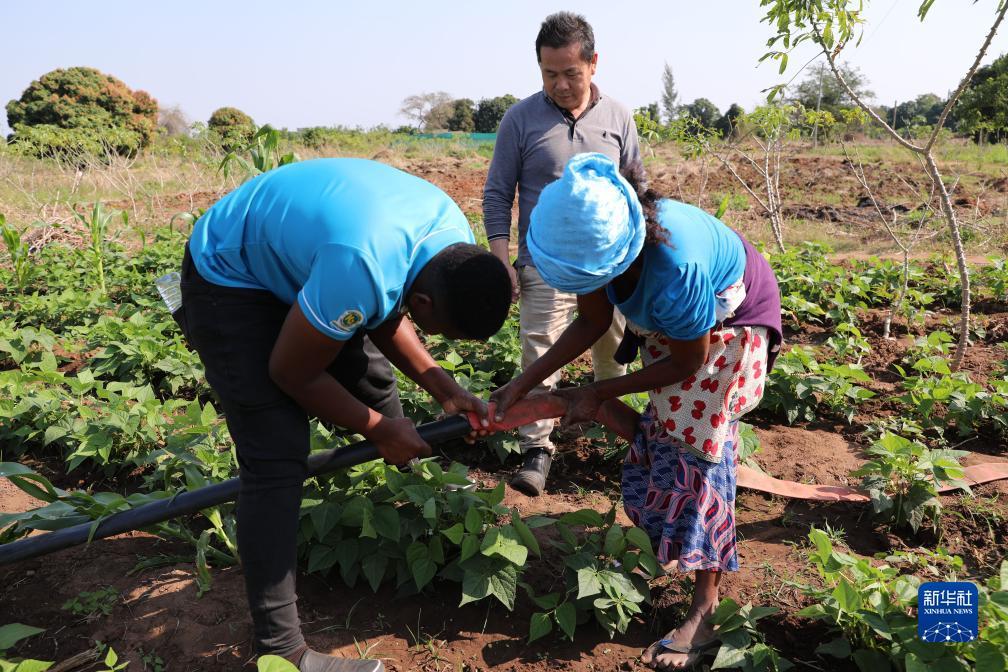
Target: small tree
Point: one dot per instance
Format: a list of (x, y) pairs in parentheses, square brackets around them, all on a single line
[(490, 111), (462, 117), (703, 111), (418, 106), (82, 110), (820, 90), (232, 127), (669, 96), (649, 112), (831, 26), (173, 121), (728, 124), (438, 117), (983, 109)]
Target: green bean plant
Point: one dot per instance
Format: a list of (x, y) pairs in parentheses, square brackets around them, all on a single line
[(604, 574), (869, 607), (903, 476)]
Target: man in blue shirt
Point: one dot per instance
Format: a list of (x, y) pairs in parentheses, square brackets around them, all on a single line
[(295, 287)]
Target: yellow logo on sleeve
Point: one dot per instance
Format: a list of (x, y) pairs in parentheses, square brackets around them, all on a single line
[(348, 321)]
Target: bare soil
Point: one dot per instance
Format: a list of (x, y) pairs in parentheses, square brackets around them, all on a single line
[(159, 613)]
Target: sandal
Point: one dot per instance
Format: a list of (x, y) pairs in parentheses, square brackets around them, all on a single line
[(694, 653)]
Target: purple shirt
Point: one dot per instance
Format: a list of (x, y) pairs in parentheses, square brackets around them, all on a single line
[(762, 305), (760, 308)]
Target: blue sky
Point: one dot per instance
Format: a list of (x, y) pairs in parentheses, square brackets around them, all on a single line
[(304, 63)]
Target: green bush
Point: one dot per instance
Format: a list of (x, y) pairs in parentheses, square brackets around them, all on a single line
[(75, 111), (233, 127)]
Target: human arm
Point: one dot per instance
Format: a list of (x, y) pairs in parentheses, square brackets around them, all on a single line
[(630, 154), (398, 341), (298, 364), (499, 247), (499, 194), (686, 357), (595, 314)]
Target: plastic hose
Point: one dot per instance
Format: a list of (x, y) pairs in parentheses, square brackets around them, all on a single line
[(185, 503)]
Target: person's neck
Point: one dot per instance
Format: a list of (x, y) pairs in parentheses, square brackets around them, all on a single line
[(626, 282), (579, 110)]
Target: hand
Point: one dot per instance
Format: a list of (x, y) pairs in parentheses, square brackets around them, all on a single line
[(515, 285), (504, 397), (463, 401), (397, 441), (582, 404), (500, 249)]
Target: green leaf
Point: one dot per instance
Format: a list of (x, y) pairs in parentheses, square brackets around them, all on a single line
[(728, 656), (26, 666), (640, 539), (386, 521), (430, 511), (588, 582), (324, 518), (525, 534), (13, 633), (271, 663), (454, 533), (489, 576), (373, 566), (847, 596), (504, 541), (421, 565), (539, 626), (725, 610), (470, 546), (473, 520), (321, 558), (566, 616), (838, 648), (615, 542), (871, 661), (989, 658), (915, 664), (585, 517)]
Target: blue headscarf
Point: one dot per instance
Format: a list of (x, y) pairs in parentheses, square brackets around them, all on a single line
[(587, 227)]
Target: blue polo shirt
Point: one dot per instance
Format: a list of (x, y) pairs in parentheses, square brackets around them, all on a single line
[(345, 238), (676, 291)]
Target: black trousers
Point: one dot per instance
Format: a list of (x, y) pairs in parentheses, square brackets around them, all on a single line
[(234, 331)]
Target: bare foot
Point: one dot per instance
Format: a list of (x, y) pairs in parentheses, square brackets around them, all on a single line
[(682, 648)]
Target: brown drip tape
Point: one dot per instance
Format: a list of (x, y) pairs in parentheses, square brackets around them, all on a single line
[(545, 406)]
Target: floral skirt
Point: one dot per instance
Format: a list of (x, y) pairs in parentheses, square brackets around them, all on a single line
[(685, 503)]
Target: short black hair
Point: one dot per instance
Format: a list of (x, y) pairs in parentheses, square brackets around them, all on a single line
[(562, 29), (473, 288)]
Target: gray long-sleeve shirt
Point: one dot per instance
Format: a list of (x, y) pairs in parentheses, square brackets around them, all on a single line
[(534, 142)]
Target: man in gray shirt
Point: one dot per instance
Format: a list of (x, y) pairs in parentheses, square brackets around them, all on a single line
[(536, 138)]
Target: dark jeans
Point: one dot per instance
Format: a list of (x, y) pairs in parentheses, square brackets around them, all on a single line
[(234, 330)]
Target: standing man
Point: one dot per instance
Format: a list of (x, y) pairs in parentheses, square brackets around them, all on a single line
[(536, 138), (295, 289)]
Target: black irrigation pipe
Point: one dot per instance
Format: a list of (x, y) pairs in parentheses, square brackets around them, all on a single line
[(190, 502)]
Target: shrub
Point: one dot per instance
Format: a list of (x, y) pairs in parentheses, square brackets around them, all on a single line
[(76, 110), (490, 111), (232, 127)]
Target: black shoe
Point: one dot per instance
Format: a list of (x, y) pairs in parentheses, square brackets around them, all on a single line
[(531, 478)]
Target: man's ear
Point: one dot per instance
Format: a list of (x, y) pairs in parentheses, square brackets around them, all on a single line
[(420, 302)]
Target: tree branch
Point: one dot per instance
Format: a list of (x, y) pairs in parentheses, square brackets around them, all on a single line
[(830, 58), (965, 80)]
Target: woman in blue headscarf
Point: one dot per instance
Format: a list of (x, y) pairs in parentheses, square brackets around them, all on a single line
[(703, 307)]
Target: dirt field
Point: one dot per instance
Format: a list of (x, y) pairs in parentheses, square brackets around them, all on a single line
[(158, 612)]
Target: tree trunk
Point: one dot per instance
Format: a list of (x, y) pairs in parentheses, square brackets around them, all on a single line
[(953, 224)]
